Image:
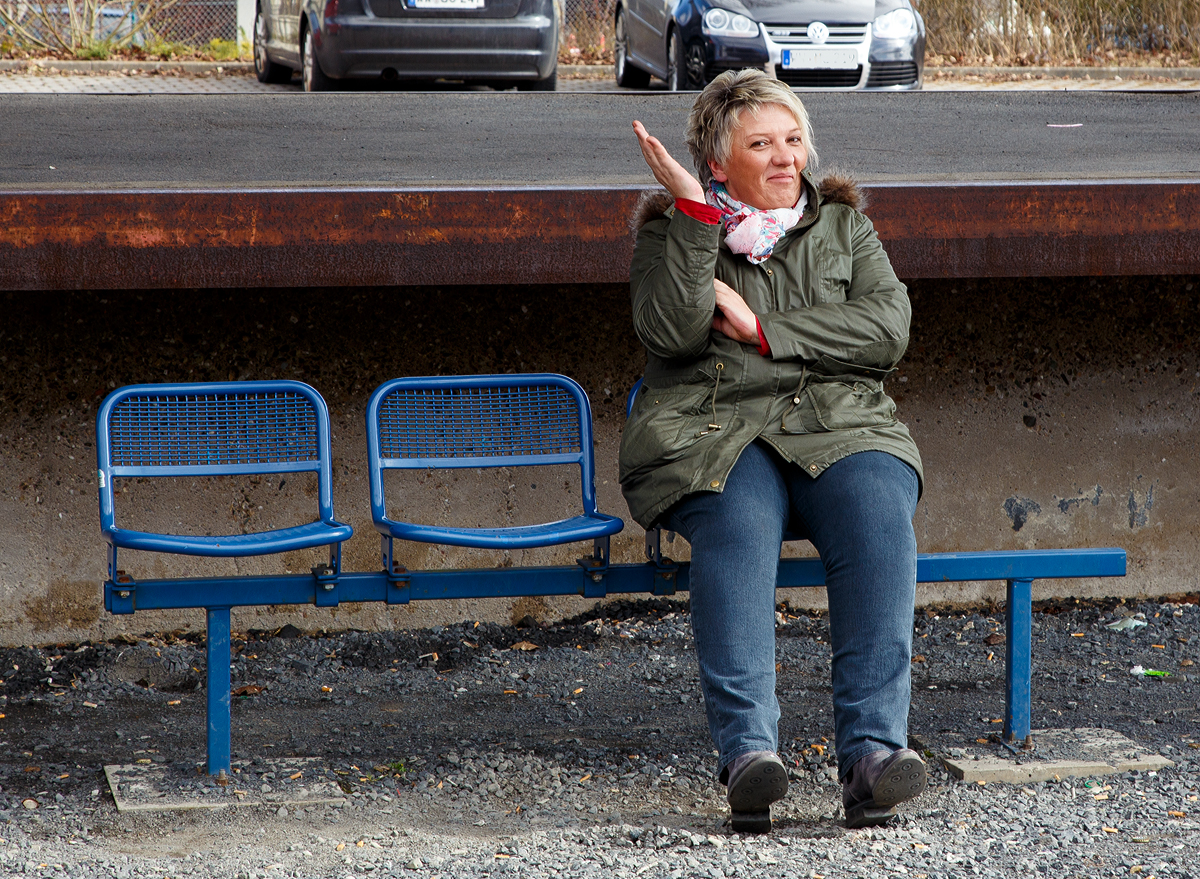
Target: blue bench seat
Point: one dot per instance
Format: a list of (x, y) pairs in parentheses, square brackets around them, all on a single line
[(518, 537), (307, 536), (485, 422), (206, 430)]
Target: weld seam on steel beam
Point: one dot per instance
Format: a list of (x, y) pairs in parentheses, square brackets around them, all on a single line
[(373, 236)]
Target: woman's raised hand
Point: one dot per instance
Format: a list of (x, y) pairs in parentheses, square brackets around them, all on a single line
[(666, 170)]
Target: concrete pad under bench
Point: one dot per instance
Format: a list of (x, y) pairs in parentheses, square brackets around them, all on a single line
[(162, 788), (1058, 753)]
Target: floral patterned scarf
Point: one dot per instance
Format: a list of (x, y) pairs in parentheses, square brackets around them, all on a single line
[(750, 230)]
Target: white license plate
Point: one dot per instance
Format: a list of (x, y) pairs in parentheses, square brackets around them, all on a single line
[(445, 4), (820, 59)]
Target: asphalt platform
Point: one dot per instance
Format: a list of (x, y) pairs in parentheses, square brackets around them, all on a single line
[(437, 139)]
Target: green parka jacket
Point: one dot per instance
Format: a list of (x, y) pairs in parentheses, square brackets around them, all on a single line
[(836, 319)]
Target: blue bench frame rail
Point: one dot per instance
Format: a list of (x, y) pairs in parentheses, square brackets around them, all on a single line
[(591, 577)]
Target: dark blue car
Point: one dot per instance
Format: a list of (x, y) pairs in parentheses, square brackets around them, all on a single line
[(808, 44)]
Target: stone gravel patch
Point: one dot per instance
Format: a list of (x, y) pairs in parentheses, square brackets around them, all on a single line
[(579, 749)]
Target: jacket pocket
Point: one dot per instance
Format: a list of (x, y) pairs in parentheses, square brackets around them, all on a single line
[(665, 422), (839, 405)]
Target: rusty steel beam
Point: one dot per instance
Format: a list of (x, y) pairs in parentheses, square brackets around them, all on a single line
[(1039, 228), (208, 238)]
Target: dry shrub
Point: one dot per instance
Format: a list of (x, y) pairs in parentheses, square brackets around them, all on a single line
[(90, 29), (1024, 32)]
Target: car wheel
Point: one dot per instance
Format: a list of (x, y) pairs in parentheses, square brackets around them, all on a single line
[(315, 79), (628, 76), (264, 68), (695, 64), (677, 78), (549, 84)]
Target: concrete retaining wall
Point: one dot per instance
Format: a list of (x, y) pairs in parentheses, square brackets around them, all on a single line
[(1050, 412)]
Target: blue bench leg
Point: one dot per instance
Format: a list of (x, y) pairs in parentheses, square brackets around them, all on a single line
[(218, 691), (1018, 645)]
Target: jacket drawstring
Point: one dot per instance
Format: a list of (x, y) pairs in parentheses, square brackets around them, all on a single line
[(720, 367), (799, 390)]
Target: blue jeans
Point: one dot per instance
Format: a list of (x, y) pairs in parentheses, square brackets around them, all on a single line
[(858, 514)]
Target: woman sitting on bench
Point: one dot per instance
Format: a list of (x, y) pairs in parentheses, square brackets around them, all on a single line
[(770, 316)]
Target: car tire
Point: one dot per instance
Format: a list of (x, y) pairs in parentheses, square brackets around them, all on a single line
[(314, 77), (677, 78), (695, 66), (264, 68), (628, 76), (549, 84)]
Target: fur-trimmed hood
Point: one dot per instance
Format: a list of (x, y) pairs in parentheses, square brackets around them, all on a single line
[(834, 188)]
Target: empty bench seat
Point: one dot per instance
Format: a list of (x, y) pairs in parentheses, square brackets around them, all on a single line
[(216, 429), (484, 421)]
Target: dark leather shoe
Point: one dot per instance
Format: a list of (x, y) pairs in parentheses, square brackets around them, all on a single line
[(878, 782), (755, 781)]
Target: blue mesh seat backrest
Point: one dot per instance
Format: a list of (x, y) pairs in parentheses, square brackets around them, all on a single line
[(429, 425), (220, 432)]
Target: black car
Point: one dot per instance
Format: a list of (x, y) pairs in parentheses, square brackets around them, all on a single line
[(496, 42), (809, 44)]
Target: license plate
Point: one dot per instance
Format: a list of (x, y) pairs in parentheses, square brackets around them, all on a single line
[(820, 59), (445, 4)]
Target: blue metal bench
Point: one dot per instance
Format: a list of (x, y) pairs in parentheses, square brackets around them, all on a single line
[(265, 427), (222, 429), (1019, 568)]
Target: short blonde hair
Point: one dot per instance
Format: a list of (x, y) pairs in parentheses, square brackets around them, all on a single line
[(717, 113)]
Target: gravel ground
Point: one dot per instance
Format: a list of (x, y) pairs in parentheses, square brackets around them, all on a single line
[(462, 752)]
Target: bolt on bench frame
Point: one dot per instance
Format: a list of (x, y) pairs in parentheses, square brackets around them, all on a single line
[(244, 428)]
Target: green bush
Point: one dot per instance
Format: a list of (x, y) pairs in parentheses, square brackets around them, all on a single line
[(228, 50)]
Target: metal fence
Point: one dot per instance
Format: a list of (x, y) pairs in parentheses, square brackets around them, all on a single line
[(80, 23), (588, 26), (198, 22)]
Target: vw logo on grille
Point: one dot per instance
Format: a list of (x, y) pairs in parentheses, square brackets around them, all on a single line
[(818, 32)]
